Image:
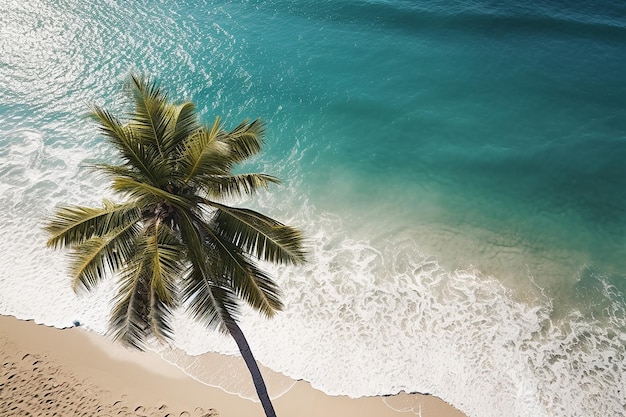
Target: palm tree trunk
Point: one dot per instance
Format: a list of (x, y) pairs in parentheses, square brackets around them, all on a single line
[(257, 378)]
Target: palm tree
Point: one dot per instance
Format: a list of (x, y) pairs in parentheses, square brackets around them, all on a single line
[(171, 242)]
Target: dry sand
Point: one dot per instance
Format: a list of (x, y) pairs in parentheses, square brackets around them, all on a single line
[(71, 372)]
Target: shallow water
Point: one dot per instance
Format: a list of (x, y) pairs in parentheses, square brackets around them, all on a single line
[(457, 169)]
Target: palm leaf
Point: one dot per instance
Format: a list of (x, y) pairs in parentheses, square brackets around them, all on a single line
[(236, 185), (75, 224), (99, 256), (133, 152), (114, 171), (161, 316), (166, 259), (205, 297), (239, 273), (128, 321), (245, 140), (203, 155), (259, 235), (207, 302), (151, 118), (147, 295), (147, 193), (197, 297), (163, 256), (185, 125)]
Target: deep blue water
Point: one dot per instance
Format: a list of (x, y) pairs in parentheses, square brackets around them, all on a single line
[(450, 161)]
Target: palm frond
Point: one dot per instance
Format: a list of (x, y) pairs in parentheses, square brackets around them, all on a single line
[(161, 317), (245, 140), (129, 316), (150, 119), (205, 297), (94, 259), (235, 185), (203, 155), (164, 257), (186, 124), (259, 235), (114, 171), (132, 151), (197, 296), (207, 302), (146, 192), (249, 282), (75, 224)]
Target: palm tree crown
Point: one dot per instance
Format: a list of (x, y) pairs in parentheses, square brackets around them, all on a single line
[(172, 243)]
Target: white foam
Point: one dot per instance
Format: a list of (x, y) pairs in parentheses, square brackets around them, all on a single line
[(364, 319)]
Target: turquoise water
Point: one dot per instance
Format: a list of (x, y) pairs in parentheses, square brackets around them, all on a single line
[(457, 166)]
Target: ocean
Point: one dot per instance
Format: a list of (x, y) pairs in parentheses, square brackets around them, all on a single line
[(457, 168)]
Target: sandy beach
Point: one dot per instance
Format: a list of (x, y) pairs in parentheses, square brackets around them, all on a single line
[(72, 372)]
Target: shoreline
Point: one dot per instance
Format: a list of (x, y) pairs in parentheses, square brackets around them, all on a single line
[(74, 372)]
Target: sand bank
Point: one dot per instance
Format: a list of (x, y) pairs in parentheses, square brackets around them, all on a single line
[(71, 372)]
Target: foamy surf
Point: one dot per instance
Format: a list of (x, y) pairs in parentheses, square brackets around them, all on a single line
[(361, 321)]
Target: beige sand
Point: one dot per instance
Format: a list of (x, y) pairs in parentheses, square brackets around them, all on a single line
[(65, 373)]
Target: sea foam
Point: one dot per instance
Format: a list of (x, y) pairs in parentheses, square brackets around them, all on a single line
[(367, 318)]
